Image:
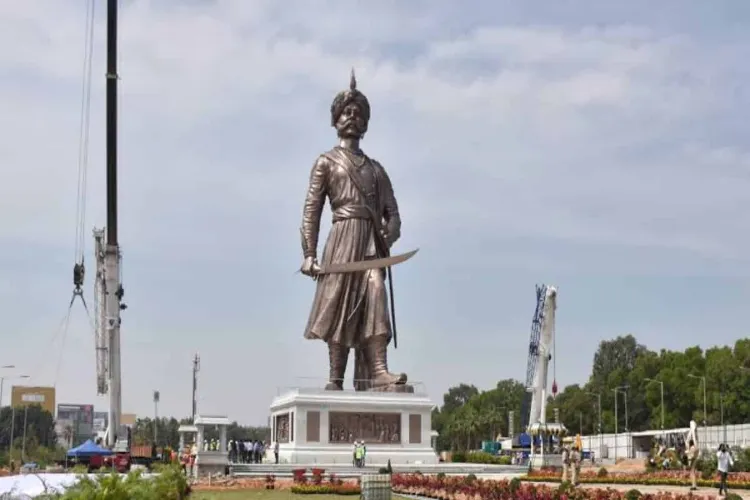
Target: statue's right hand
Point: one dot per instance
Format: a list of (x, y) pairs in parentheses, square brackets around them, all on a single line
[(310, 267)]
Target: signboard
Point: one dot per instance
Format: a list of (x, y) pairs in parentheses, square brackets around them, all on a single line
[(22, 395), (75, 423), (101, 420)]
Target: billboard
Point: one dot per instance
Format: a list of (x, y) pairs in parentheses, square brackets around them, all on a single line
[(75, 423), (101, 420), (127, 419), (22, 395)]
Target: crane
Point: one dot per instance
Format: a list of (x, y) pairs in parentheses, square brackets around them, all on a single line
[(541, 346)]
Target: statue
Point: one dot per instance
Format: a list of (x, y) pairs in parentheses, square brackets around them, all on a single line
[(350, 308)]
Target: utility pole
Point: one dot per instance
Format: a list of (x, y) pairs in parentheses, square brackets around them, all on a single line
[(196, 369), (113, 290), (156, 417)]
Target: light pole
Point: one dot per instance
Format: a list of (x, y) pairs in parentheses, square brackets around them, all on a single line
[(702, 378), (661, 386), (617, 391), (25, 425), (599, 408), (12, 431)]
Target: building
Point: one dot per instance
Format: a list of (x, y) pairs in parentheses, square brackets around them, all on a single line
[(22, 395)]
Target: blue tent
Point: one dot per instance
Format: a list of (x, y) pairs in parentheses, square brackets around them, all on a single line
[(88, 449)]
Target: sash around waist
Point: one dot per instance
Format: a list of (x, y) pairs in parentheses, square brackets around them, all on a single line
[(352, 212)]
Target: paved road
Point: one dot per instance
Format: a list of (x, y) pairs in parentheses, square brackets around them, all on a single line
[(711, 492)]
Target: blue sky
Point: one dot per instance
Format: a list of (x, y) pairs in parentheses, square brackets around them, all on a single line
[(597, 146)]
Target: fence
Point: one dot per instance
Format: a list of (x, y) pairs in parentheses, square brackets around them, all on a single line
[(639, 444)]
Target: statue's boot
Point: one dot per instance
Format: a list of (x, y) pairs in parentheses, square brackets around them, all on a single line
[(377, 354), (337, 358)]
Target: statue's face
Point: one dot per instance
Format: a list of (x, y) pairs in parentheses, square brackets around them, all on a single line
[(351, 123)]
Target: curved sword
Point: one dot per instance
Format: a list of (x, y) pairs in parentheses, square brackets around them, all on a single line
[(366, 265)]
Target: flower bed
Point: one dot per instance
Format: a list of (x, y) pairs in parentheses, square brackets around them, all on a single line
[(735, 480), (468, 488)]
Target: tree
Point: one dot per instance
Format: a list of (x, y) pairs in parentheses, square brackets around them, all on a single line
[(40, 426), (469, 415)]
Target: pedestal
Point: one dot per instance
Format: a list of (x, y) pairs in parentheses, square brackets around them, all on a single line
[(314, 426)]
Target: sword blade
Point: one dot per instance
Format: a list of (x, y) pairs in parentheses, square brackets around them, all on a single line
[(366, 265)]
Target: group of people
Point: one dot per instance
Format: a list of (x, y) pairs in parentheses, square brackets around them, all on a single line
[(359, 454), (571, 460), (251, 452)]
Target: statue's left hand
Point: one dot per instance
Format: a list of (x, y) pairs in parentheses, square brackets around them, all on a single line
[(384, 235)]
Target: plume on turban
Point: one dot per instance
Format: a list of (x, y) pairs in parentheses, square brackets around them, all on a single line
[(346, 97)]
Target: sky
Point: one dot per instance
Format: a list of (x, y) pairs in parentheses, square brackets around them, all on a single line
[(597, 146)]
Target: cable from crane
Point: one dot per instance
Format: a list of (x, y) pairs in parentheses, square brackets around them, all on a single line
[(79, 269)]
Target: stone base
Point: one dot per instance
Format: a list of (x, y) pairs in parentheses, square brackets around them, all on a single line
[(210, 462), (315, 426)]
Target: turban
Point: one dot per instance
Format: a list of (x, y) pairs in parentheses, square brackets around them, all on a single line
[(346, 97)]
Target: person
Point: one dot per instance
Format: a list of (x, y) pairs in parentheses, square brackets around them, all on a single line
[(565, 462), (724, 461), (575, 464), (350, 310), (276, 451)]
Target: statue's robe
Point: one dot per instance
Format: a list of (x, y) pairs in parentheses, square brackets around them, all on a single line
[(350, 308)]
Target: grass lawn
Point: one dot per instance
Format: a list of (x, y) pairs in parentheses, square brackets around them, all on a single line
[(266, 495)]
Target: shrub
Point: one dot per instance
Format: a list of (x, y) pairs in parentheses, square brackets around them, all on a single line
[(441, 476), (602, 472), (313, 489), (633, 495), (170, 484), (480, 457)]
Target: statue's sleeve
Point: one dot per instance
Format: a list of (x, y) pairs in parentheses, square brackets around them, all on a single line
[(314, 201), (390, 211)]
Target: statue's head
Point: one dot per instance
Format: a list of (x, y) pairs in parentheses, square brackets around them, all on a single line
[(350, 112)]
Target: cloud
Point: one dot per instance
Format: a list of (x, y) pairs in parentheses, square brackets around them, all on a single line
[(549, 147)]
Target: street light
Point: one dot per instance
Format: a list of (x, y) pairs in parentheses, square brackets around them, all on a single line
[(599, 430), (617, 391), (661, 386), (12, 415), (703, 381)]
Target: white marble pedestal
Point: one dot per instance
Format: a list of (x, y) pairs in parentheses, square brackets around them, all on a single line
[(315, 426)]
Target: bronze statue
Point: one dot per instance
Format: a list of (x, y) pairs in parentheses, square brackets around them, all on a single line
[(350, 309)]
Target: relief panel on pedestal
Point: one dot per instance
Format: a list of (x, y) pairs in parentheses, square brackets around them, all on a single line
[(372, 428), (281, 424)]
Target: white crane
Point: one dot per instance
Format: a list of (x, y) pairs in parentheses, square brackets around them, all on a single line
[(538, 389), (541, 352)]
